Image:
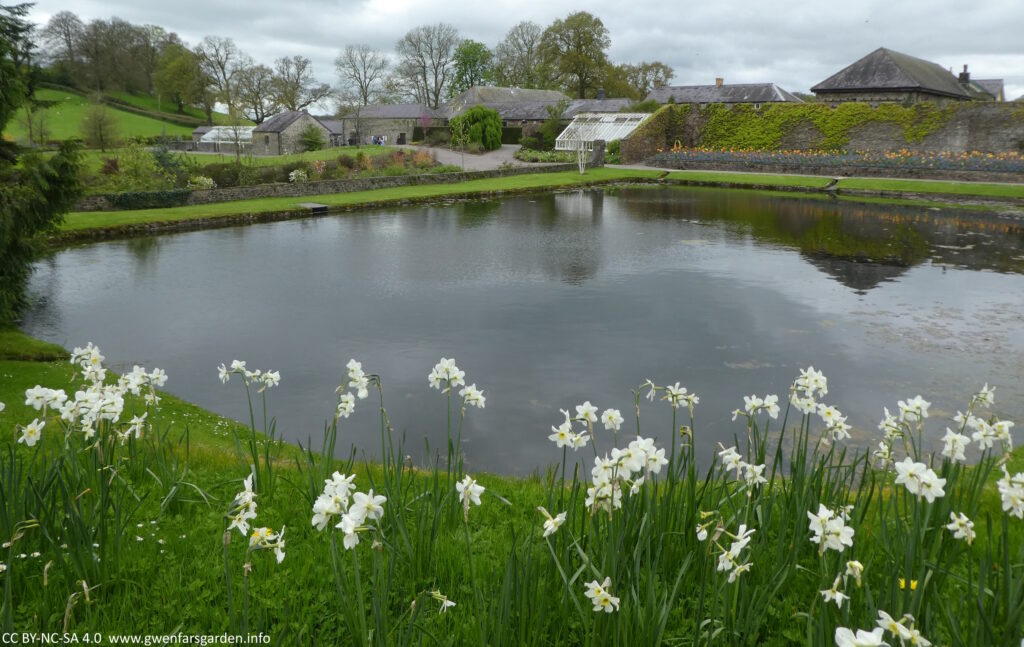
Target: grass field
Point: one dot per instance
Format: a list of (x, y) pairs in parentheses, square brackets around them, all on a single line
[(64, 120), (102, 219), (146, 102)]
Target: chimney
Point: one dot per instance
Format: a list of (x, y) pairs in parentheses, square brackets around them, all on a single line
[(965, 76), (600, 93), (719, 81)]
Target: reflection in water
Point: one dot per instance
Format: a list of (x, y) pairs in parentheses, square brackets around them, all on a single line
[(549, 300)]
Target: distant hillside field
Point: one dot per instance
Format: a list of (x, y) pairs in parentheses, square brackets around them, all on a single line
[(151, 104), (64, 120)]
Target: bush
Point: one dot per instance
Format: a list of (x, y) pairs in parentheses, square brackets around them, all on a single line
[(298, 176), (530, 155), (110, 166), (201, 182), (613, 153), (311, 138), (129, 200), (481, 126), (437, 137)]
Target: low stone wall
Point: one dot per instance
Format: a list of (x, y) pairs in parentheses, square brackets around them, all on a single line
[(209, 196), (847, 171)]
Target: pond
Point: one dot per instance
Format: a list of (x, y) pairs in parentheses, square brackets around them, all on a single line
[(548, 300)]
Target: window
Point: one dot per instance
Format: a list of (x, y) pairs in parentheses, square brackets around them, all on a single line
[(266, 139)]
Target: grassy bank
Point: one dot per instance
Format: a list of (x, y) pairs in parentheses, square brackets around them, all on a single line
[(63, 120), (935, 187), (136, 536), (111, 219), (758, 179)]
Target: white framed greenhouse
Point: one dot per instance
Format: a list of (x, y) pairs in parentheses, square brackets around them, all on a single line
[(588, 127), (220, 139)]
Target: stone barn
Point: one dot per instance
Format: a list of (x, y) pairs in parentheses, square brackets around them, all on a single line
[(279, 135)]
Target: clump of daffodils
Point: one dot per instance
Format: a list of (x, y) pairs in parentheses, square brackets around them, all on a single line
[(830, 529), (846, 638), (243, 508), (674, 394), (630, 466), (961, 526), (358, 381), (805, 389), (262, 379), (752, 405), (751, 474), (601, 597), (446, 375), (353, 512), (469, 493), (729, 559), (903, 629)]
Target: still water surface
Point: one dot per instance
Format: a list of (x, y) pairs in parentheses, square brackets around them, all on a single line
[(549, 300)]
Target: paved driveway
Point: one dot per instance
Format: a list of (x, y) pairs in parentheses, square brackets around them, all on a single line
[(482, 162)]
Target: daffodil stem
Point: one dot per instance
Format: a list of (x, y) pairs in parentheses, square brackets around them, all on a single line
[(227, 577), (359, 599)]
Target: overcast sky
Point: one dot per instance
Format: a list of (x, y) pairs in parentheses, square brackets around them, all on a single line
[(794, 43)]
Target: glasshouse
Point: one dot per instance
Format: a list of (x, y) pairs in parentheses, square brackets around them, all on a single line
[(588, 127), (223, 139)]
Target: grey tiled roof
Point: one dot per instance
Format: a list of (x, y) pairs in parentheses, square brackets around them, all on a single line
[(511, 110), (395, 111), (732, 93), (992, 86), (335, 126), (488, 94), (279, 122), (595, 105), (884, 69)]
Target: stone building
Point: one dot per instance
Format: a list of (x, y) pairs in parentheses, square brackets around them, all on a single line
[(391, 123), (885, 76), (755, 93), (279, 135)]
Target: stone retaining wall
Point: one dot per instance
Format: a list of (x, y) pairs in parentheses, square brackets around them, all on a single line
[(208, 196), (847, 171)]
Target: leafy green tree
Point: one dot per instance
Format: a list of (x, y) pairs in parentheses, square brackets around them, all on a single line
[(480, 125), (472, 67), (574, 50), (517, 60), (34, 192), (311, 138)]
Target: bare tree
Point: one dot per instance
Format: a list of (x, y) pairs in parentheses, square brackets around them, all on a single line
[(361, 69), (426, 56), (99, 128), (256, 92), (517, 60), (62, 36), (219, 58), (294, 85)]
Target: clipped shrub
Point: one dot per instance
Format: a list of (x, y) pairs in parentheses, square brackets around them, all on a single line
[(129, 200)]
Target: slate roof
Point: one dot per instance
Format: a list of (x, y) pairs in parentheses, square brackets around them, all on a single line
[(509, 110), (884, 69), (201, 130), (395, 111), (489, 94), (732, 93), (992, 86), (577, 106), (279, 122), (334, 126)]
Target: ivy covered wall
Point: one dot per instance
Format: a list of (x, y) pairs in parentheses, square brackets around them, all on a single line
[(985, 127)]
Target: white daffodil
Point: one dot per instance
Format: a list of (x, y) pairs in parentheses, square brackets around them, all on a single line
[(830, 531), (846, 638), (893, 626), (551, 524), (32, 432), (1011, 492), (2, 407), (586, 411), (803, 404), (346, 405), (472, 396), (612, 419), (674, 395), (919, 479), (443, 599), (601, 596), (855, 570), (954, 445), (834, 595), (914, 409), (469, 493), (445, 371), (562, 435), (985, 397), (731, 459), (962, 527), (367, 506)]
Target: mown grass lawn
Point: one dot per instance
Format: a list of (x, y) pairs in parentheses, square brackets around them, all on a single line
[(935, 186), (751, 178), (102, 219)]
